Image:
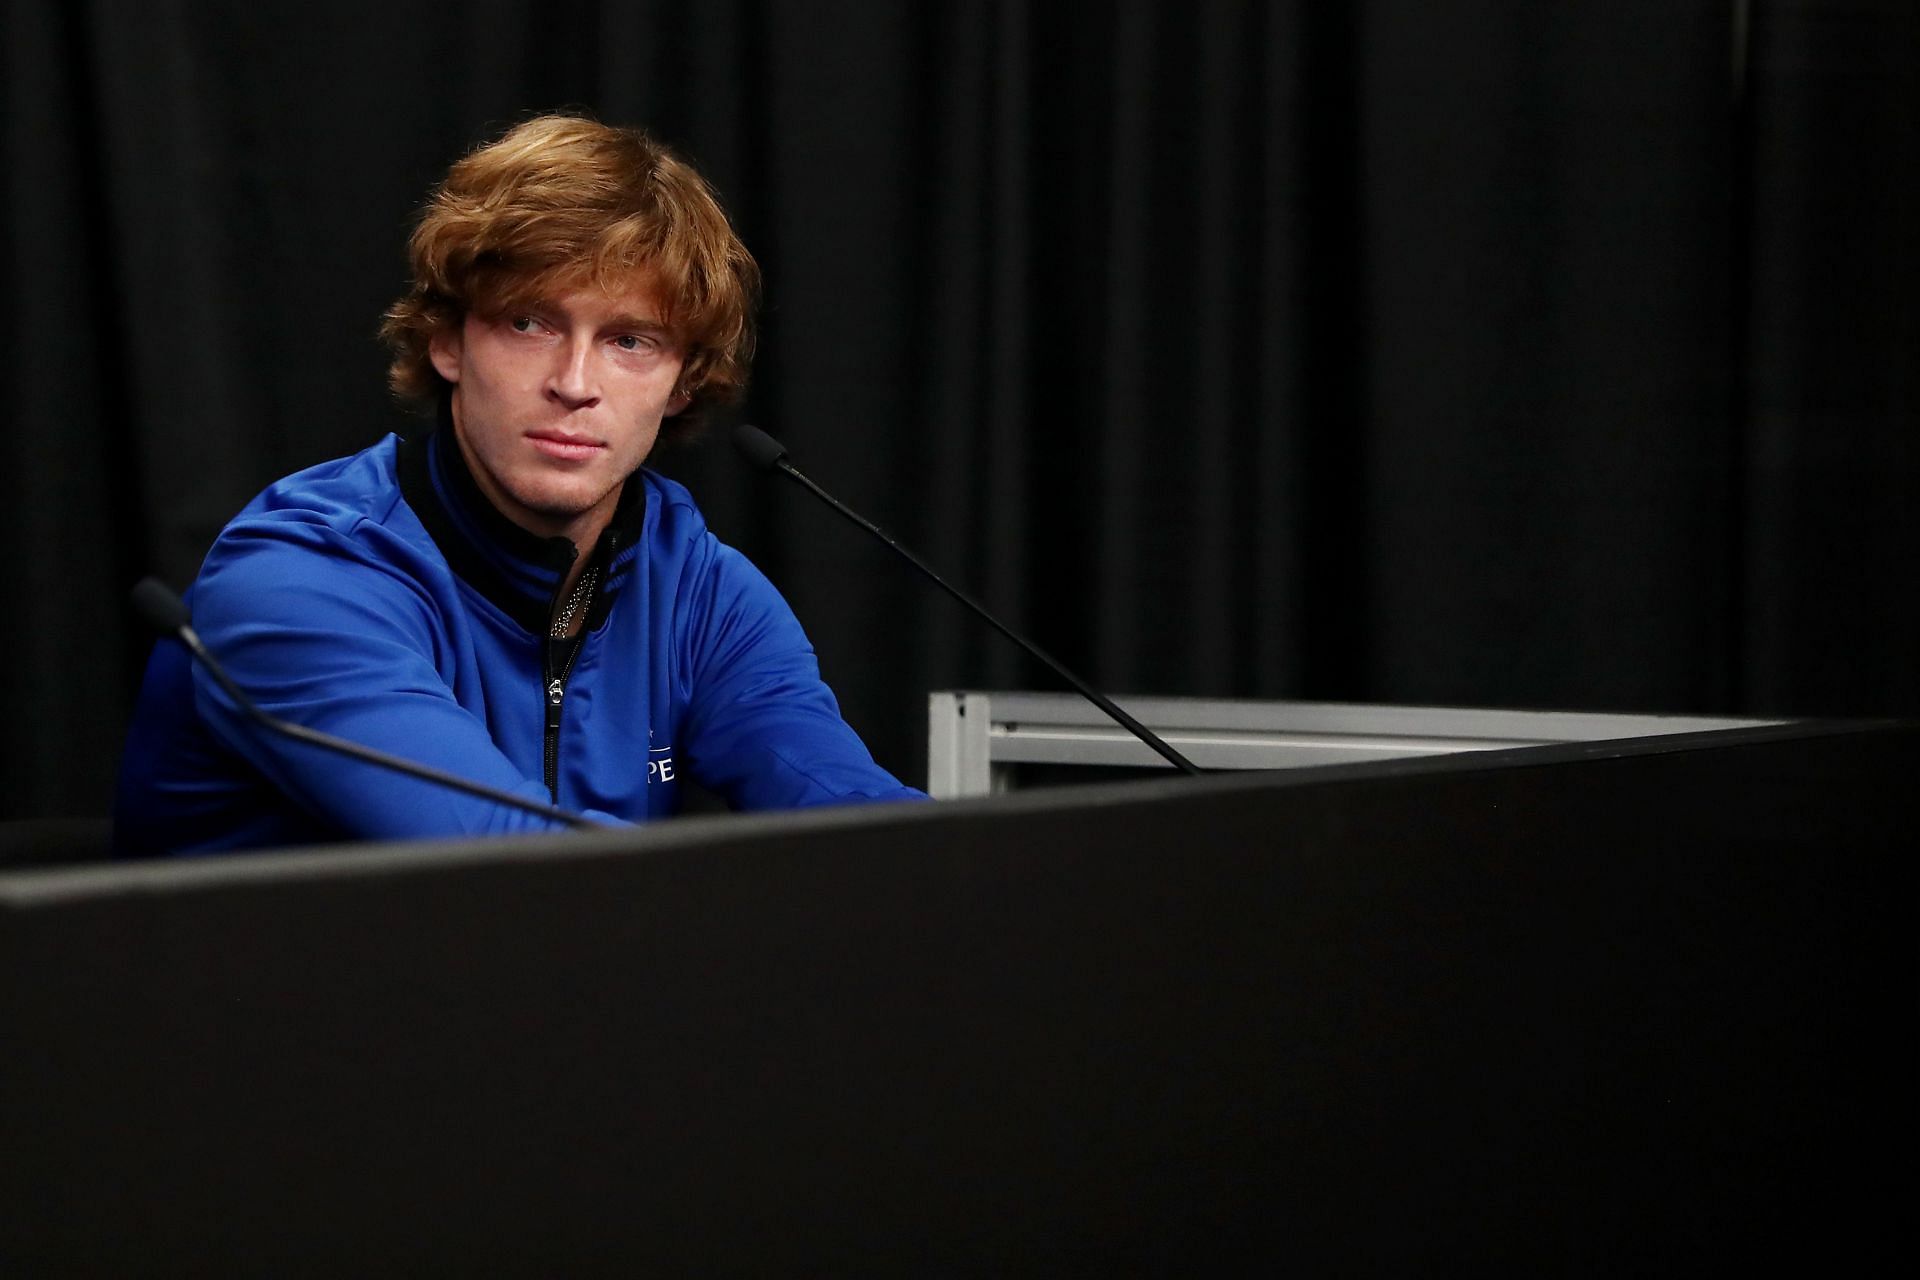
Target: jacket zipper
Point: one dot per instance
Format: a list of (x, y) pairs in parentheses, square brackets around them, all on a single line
[(555, 689), (556, 692)]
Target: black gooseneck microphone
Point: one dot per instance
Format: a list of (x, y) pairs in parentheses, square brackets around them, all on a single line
[(768, 454), (167, 614)]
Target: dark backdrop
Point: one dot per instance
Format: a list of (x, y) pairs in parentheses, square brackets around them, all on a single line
[(1491, 352)]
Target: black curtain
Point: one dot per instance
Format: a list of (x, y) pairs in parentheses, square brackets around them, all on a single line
[(1493, 352)]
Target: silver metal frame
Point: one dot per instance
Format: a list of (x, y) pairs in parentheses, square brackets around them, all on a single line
[(975, 738)]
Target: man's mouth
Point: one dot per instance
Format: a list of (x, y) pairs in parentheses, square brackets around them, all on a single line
[(559, 444)]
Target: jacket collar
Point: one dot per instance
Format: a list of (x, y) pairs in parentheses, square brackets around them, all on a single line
[(519, 571)]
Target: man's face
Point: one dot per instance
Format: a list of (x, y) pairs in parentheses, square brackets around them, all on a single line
[(557, 403)]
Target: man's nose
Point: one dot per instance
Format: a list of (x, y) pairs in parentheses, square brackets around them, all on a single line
[(573, 379)]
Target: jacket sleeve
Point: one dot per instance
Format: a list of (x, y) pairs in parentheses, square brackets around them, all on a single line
[(763, 729), (333, 633)]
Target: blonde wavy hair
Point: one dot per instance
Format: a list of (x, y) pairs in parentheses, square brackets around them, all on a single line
[(563, 202)]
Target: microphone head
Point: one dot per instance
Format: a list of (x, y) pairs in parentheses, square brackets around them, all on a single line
[(164, 611), (761, 449)]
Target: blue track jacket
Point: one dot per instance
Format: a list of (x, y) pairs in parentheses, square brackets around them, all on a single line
[(382, 598)]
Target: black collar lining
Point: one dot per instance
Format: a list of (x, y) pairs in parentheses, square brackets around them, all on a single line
[(416, 486), (416, 463)]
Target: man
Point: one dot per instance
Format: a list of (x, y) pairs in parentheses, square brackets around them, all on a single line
[(509, 597)]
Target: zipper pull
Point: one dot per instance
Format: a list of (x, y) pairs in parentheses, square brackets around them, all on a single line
[(555, 691)]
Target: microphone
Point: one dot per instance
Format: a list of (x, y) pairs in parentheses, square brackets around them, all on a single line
[(167, 613), (768, 454)]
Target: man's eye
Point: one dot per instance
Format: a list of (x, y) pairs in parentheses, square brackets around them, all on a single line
[(630, 342), (523, 324)]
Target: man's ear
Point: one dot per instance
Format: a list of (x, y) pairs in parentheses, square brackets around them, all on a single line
[(678, 404), (443, 348)]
